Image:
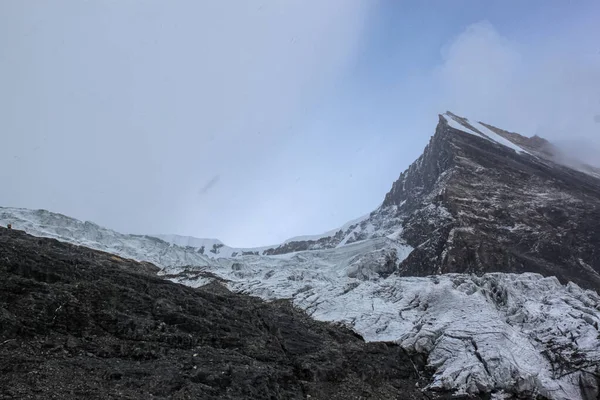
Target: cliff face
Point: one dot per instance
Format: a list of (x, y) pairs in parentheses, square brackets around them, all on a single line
[(473, 205)]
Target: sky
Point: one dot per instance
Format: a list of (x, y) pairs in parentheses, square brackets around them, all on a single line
[(256, 121)]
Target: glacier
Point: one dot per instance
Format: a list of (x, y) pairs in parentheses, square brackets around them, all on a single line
[(44, 223)]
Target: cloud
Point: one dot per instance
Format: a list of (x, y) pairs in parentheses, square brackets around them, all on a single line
[(131, 104), (549, 88), (117, 112)]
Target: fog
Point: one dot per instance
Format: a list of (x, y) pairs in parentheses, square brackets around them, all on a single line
[(254, 121), (130, 114), (549, 88)]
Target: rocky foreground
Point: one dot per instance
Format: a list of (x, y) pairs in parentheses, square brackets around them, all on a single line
[(79, 323)]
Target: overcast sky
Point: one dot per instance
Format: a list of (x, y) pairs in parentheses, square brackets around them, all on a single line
[(255, 121)]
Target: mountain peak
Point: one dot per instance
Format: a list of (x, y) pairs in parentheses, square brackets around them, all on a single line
[(535, 145), (510, 140), (490, 200)]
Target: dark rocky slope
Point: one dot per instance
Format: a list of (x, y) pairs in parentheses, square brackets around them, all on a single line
[(79, 323), (471, 205)]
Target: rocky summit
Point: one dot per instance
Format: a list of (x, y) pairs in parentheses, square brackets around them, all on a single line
[(479, 274), (508, 207)]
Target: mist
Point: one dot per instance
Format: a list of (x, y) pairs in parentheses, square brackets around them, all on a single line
[(159, 116), (549, 88), (253, 122)]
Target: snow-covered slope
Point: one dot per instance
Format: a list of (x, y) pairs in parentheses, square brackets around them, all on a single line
[(211, 248), (214, 248), (343, 228), (138, 247), (478, 129)]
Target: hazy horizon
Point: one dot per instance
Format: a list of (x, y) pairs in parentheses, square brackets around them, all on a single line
[(256, 122)]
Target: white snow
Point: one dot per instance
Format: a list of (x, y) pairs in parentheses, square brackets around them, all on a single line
[(138, 247), (332, 232), (483, 132), (192, 282), (453, 123), (497, 138), (223, 251), (190, 241), (213, 248)]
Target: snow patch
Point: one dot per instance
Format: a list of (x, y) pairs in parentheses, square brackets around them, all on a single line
[(453, 123), (497, 138), (480, 130)]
